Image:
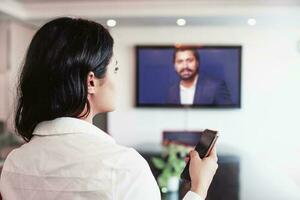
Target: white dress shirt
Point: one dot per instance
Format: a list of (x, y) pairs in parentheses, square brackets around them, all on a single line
[(71, 159)]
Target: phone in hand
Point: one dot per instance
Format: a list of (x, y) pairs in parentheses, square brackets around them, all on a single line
[(207, 141)]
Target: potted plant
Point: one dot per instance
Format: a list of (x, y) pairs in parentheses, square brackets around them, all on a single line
[(171, 164)]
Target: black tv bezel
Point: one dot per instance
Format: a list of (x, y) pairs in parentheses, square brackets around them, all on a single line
[(137, 84)]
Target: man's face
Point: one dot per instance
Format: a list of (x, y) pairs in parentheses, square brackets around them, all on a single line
[(186, 65)]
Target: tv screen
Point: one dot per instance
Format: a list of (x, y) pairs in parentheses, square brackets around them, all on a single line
[(188, 76)]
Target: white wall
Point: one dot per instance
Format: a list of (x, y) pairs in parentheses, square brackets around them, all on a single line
[(4, 44), (18, 40), (3, 67), (265, 128)]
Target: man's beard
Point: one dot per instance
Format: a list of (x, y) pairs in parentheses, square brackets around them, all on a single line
[(188, 74)]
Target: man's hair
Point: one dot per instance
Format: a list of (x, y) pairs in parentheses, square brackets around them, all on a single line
[(186, 48), (53, 79)]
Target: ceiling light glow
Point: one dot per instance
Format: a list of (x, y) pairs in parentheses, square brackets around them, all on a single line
[(251, 21), (111, 23), (181, 22)]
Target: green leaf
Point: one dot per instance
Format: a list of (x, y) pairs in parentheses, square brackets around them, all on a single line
[(167, 172), (179, 166), (158, 163)]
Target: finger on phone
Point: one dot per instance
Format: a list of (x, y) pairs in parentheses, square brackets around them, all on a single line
[(195, 154), (213, 153)]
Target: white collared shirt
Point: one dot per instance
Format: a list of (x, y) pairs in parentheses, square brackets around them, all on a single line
[(71, 159)]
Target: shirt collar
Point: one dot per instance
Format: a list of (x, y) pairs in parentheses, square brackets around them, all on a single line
[(68, 125)]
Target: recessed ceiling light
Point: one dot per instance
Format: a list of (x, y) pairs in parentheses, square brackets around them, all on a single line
[(111, 23), (251, 21), (181, 22)]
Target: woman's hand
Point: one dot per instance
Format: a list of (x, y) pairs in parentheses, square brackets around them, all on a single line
[(202, 171)]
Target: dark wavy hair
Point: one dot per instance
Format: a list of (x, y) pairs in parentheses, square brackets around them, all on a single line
[(53, 79)]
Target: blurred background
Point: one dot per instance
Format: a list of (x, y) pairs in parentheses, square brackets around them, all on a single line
[(262, 136)]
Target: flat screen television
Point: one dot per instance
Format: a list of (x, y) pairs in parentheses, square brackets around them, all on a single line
[(188, 76)]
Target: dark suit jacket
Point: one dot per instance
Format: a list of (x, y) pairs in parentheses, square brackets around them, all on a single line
[(208, 92)]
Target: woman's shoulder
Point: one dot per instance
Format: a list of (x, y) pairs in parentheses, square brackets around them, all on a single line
[(126, 158)]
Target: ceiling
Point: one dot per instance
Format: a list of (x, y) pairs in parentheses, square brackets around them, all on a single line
[(43, 1), (158, 12), (232, 2)]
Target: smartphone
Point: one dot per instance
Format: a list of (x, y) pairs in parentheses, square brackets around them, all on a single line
[(207, 141)]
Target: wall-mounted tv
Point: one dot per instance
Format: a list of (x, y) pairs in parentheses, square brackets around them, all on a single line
[(188, 76)]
